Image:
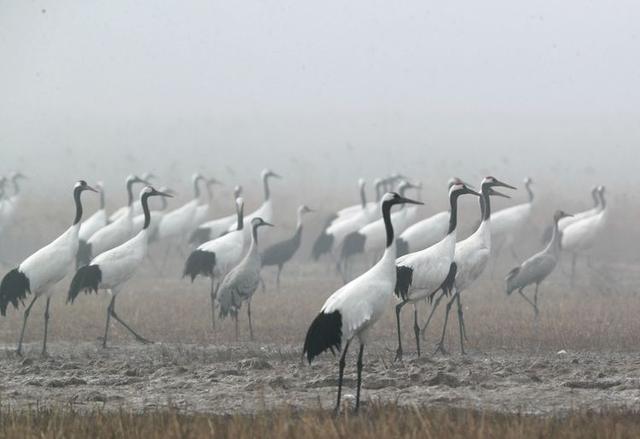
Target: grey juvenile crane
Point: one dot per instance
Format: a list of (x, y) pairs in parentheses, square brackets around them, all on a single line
[(240, 283), (281, 252), (536, 269)]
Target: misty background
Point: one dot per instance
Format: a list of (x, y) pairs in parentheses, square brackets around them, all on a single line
[(323, 93)]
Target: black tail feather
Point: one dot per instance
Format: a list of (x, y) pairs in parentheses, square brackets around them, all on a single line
[(199, 236), (404, 277), (86, 279), (353, 244), (449, 282), (199, 262), (324, 333), (321, 245), (402, 247), (83, 257), (13, 290)]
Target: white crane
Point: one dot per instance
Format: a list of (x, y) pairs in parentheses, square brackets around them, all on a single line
[(156, 216), (427, 232), (242, 281), (580, 236), (111, 235), (217, 257), (177, 224), (41, 271), (202, 211), (370, 239), (568, 220), (421, 274), (96, 221), (507, 224), (215, 228), (353, 309), (538, 267), (111, 269), (345, 221), (9, 203), (265, 211), (471, 257), (136, 207)]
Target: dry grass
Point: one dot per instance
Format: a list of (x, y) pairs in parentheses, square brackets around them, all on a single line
[(379, 421)]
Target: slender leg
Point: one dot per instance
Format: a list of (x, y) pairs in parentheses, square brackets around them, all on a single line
[(138, 337), (535, 300), (535, 308), (573, 268), (24, 325), (235, 316), (46, 326), (249, 314), (106, 328), (341, 374), (440, 347), (433, 310), (278, 277), (264, 286), (399, 350), (359, 376), (461, 324), (416, 328), (213, 292)]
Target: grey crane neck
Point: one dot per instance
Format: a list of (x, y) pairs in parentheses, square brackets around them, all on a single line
[(76, 198)]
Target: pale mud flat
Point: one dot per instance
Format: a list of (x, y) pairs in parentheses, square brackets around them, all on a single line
[(251, 377)]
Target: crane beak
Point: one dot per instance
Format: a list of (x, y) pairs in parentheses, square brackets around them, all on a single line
[(264, 223), (409, 201), (213, 181), (168, 193), (502, 184), (273, 174), (89, 188), (495, 193), (471, 191)]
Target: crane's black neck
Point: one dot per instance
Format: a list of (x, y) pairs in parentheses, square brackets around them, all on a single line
[(485, 204), (144, 200), (76, 198), (265, 184), (102, 198), (529, 191), (555, 242), (240, 211), (603, 203), (130, 192), (363, 196), (386, 216), (596, 200), (453, 217)]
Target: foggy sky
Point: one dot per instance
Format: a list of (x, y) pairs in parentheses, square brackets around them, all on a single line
[(98, 89)]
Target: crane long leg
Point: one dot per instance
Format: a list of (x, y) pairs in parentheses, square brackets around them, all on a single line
[(535, 308), (399, 350), (138, 337), (341, 374), (433, 310), (573, 268), (416, 328), (440, 347), (264, 286), (46, 326), (249, 314), (24, 325), (235, 317), (461, 324), (535, 300), (359, 376), (278, 277), (213, 294), (106, 328)]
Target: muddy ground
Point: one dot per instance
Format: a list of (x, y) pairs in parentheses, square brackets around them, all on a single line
[(250, 377)]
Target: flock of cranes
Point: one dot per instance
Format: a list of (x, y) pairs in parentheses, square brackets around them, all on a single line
[(416, 259)]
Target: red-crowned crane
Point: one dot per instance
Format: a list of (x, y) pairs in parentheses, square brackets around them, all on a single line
[(40, 272)]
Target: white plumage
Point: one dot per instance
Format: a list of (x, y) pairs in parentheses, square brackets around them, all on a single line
[(353, 309), (507, 224), (43, 269), (96, 221), (180, 222), (111, 269)]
